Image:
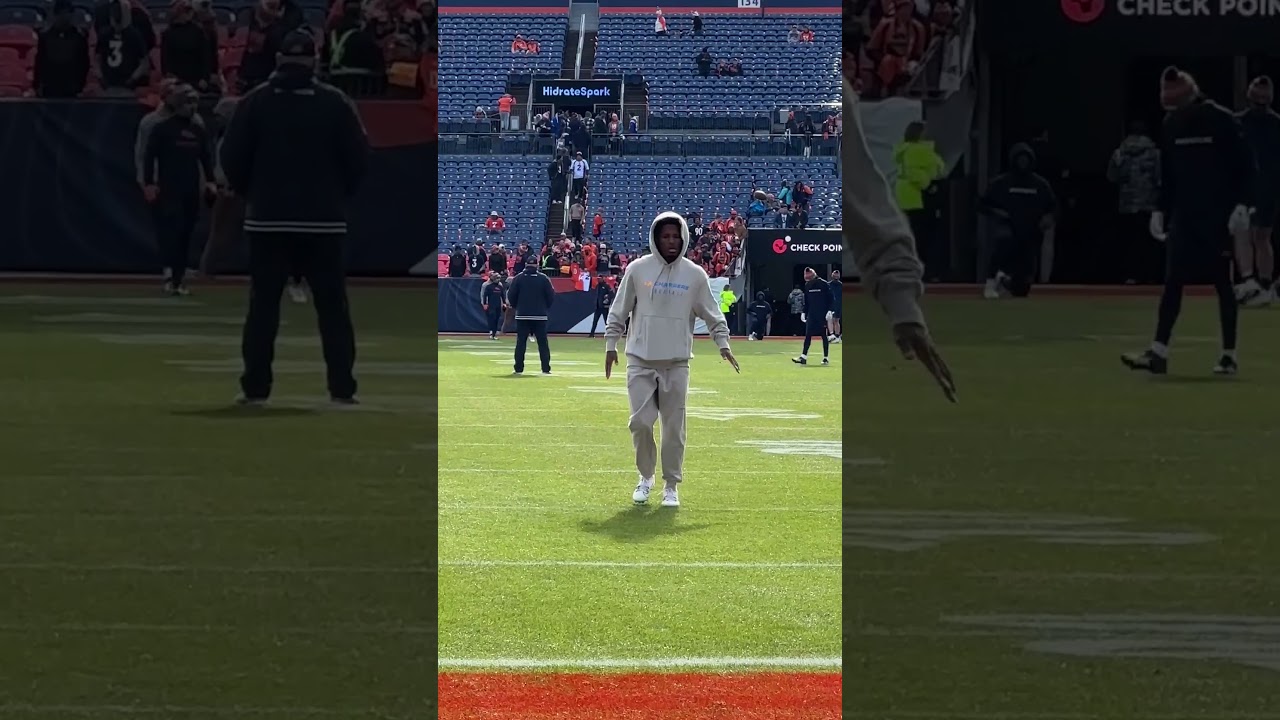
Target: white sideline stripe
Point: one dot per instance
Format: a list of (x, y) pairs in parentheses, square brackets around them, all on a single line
[(168, 711), (354, 629), (218, 569), (1042, 576), (949, 715), (560, 473), (611, 565), (463, 507), (625, 663)]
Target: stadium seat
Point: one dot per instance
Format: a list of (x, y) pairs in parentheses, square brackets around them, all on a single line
[(477, 58), (775, 73), (15, 79), (17, 36), (473, 185)]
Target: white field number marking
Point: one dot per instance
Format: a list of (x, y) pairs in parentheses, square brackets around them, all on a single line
[(905, 531), (823, 448), (1253, 641)]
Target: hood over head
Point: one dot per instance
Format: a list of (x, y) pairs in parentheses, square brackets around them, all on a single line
[(684, 233), (1020, 150)]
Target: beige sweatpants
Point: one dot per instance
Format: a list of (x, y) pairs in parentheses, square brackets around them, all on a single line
[(658, 392)]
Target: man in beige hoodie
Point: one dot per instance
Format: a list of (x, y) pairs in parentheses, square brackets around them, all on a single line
[(662, 293), (878, 242)]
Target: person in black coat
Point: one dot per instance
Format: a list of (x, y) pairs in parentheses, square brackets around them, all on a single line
[(531, 294), (604, 298), (818, 305), (457, 262), (1207, 192), (297, 152), (62, 56)]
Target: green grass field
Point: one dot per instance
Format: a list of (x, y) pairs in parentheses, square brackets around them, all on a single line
[(545, 562), (163, 555), (1072, 540)]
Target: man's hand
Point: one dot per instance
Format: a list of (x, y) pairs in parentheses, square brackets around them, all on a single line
[(1240, 220), (610, 359), (484, 308), (914, 342), (727, 354), (150, 192), (803, 318), (830, 314)]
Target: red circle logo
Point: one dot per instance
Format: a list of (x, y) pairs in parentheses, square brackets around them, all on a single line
[(1083, 11), (779, 246)]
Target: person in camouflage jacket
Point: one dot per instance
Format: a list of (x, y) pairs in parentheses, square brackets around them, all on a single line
[(1135, 171)]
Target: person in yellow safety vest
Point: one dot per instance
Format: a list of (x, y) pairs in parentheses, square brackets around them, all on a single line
[(727, 300)]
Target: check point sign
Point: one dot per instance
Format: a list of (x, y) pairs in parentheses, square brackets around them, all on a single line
[(801, 246)]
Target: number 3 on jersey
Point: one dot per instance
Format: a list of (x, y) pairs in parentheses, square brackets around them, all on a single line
[(115, 52)]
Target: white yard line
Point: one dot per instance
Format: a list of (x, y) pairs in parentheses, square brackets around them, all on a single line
[(464, 507), (641, 565), (212, 569), (22, 710), (721, 663), (1043, 576), (88, 628), (623, 471)]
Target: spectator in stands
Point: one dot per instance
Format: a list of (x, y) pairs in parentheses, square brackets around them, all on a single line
[(62, 56), (807, 130), (559, 182), (506, 104), (206, 18), (557, 124), (756, 209), (457, 262), (577, 214), (268, 24), (580, 170), (122, 50), (494, 224), (801, 194), (793, 35), (351, 56), (597, 226), (896, 47), (184, 49), (134, 14), (806, 34), (542, 124), (519, 46), (729, 68), (498, 261), (919, 167), (659, 23), (697, 23), (535, 47), (476, 258), (704, 61)]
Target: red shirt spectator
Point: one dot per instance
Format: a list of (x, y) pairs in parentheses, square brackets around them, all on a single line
[(534, 47), (806, 35), (597, 225), (519, 45), (494, 223), (896, 45)]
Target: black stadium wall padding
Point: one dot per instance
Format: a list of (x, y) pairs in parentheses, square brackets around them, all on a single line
[(460, 308), (71, 201)]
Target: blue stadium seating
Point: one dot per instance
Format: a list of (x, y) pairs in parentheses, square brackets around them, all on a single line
[(632, 191), (776, 73), (471, 186), (475, 57)]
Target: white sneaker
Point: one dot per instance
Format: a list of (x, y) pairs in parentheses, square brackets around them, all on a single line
[(1247, 289), (826, 361), (298, 294), (1258, 297), (991, 291), (670, 497), (835, 339), (641, 495)]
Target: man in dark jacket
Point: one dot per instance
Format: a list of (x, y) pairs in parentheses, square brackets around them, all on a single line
[(759, 311), (184, 49), (457, 263), (531, 295), (297, 152), (269, 23), (1207, 191), (818, 305), (498, 260), (1025, 202), (62, 56), (604, 298), (493, 301)]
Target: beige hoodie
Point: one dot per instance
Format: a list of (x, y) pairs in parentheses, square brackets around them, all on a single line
[(663, 300), (877, 238)]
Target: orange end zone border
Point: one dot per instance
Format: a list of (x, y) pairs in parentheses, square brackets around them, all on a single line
[(639, 696)]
